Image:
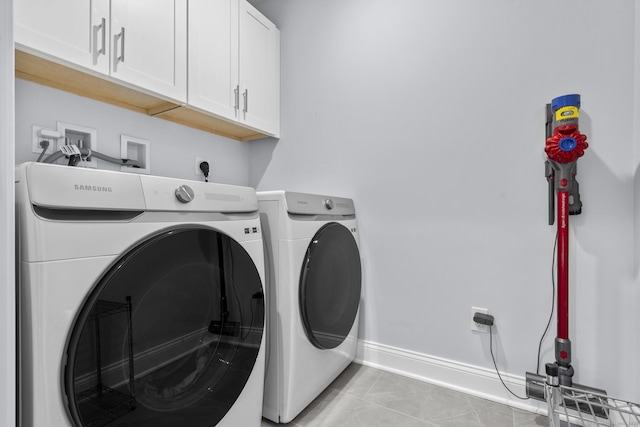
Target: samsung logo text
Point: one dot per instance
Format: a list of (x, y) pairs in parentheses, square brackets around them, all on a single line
[(96, 188)]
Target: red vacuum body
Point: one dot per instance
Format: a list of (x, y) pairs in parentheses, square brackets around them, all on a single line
[(565, 145)]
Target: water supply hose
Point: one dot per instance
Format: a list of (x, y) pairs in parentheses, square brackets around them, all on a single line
[(85, 152)]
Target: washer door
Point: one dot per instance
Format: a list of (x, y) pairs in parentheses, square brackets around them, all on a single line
[(330, 284), (169, 336)]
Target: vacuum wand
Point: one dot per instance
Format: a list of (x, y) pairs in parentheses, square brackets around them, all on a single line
[(563, 147)]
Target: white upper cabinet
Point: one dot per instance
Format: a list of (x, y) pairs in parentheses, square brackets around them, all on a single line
[(149, 45), (60, 29), (210, 64), (213, 56), (259, 73), (141, 42), (234, 63)]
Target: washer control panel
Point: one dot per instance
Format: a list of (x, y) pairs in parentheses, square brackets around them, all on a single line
[(172, 194)]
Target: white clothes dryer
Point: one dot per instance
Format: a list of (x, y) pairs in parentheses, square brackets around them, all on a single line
[(140, 298), (313, 296)]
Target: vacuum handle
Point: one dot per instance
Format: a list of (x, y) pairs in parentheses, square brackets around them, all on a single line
[(549, 173), (552, 201), (548, 170)]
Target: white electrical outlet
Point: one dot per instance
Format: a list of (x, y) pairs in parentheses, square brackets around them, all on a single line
[(37, 138), (200, 160), (478, 326)]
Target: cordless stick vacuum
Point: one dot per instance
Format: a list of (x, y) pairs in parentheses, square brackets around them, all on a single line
[(564, 145)]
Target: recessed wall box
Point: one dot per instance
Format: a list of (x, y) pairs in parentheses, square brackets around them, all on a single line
[(83, 137), (136, 149)]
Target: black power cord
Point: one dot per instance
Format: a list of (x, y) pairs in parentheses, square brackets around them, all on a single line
[(204, 167), (496, 365), (488, 320), (553, 302), (44, 144)]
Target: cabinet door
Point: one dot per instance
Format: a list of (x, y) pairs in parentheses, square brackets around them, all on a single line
[(149, 45), (259, 70), (213, 56), (75, 31)]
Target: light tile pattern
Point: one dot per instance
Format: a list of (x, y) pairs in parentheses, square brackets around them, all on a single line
[(363, 396)]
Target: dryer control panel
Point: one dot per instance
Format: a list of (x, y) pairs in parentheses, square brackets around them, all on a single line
[(313, 204)]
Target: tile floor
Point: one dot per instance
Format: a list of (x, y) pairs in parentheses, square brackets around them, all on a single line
[(363, 396)]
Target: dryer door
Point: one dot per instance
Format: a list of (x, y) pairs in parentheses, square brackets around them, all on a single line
[(169, 336), (330, 284)]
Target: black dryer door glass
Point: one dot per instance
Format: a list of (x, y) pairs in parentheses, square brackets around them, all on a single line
[(330, 284), (169, 336)]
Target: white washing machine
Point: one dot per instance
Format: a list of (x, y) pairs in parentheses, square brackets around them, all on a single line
[(141, 300), (313, 292)]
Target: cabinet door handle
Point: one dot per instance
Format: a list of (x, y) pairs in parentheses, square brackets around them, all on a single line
[(236, 93), (103, 26), (121, 57), (245, 95)]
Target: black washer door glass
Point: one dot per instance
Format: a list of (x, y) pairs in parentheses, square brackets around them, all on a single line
[(169, 336), (330, 285)]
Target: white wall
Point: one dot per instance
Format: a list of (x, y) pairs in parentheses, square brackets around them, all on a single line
[(7, 247), (173, 147), (430, 115), (636, 209)]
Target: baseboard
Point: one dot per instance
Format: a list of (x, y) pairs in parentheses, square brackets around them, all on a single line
[(473, 380)]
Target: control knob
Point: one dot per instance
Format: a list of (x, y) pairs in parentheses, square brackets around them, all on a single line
[(184, 194), (328, 203)]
